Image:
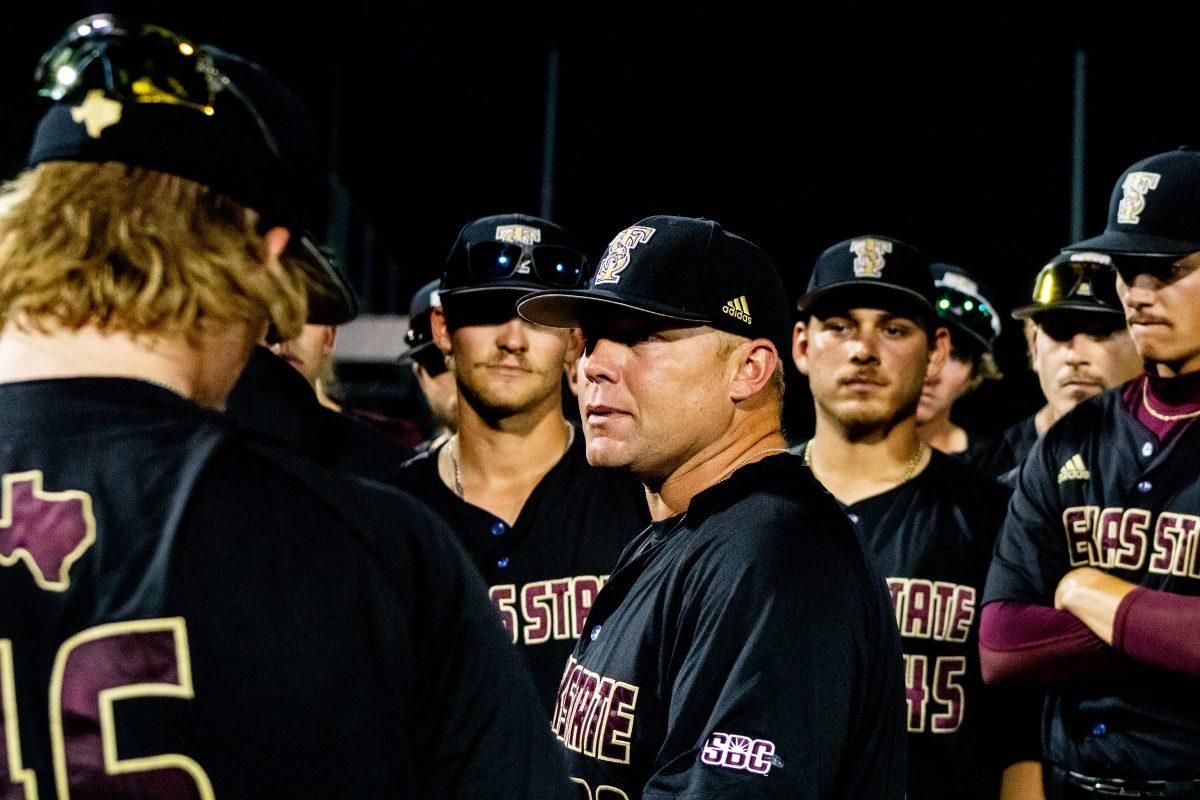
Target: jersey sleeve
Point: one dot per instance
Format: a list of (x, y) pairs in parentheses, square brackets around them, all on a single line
[(1030, 555), (784, 682)]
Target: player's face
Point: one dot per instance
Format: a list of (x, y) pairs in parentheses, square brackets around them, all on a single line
[(510, 367), (866, 367), (1160, 305), (309, 351), (942, 391), (1077, 356), (652, 399)]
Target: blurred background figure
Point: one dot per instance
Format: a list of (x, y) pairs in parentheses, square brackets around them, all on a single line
[(1079, 346), (429, 365), (964, 305)]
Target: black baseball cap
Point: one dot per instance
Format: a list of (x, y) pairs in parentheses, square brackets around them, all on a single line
[(1077, 282), (419, 336), (1154, 210), (963, 303), (145, 96), (511, 254), (677, 270), (869, 270)]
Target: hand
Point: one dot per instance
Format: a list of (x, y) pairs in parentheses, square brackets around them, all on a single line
[(1092, 596)]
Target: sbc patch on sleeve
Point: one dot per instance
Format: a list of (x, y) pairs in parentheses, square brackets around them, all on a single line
[(740, 752)]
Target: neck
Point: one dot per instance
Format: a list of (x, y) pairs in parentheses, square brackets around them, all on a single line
[(942, 434), (854, 466), (1044, 418), (324, 399), (744, 444), (172, 363)]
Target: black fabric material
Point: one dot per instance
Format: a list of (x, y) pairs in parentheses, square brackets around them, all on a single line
[(932, 539), (557, 555), (1000, 456), (1098, 490), (337, 640), (750, 631), (273, 399)]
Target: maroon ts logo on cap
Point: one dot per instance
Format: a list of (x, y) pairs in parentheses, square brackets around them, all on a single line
[(48, 531)]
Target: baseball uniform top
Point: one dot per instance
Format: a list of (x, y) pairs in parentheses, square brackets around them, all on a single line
[(190, 614), (545, 570), (744, 649), (1100, 490), (931, 538), (1006, 452)]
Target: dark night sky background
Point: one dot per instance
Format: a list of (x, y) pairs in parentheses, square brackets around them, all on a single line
[(795, 125)]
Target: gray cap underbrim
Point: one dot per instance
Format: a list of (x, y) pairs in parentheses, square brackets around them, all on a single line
[(1136, 244)]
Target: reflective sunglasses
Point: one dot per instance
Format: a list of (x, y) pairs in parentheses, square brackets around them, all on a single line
[(559, 267), (138, 63), (1071, 280)]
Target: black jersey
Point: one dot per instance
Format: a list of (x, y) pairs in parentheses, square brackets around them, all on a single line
[(272, 399), (932, 539), (1099, 490), (1006, 452), (545, 570), (189, 616), (745, 649)]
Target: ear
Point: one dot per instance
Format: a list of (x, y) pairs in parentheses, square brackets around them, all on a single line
[(756, 362), (800, 347), (441, 332), (571, 358), (939, 351), (331, 332), (276, 240)]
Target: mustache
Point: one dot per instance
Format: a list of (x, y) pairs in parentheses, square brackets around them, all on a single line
[(1080, 376), (863, 376), (507, 360), (1145, 319)]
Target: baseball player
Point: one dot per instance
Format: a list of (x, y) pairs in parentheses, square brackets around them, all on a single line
[(1093, 593), (962, 304), (190, 613), (1078, 345), (544, 528), (429, 365), (868, 340), (744, 646)]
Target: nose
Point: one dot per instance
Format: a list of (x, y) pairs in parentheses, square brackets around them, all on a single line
[(511, 337), (601, 361), (1078, 349), (864, 349), (1139, 293)]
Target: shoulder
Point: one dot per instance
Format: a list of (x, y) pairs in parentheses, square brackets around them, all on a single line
[(1093, 420)]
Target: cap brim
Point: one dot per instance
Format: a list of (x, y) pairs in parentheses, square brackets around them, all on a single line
[(568, 309), (967, 331), (863, 292), (411, 354), (337, 303), (1026, 312), (1136, 244), (509, 287)]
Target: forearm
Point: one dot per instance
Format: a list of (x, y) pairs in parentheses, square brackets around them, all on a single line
[(1159, 629), (1022, 781), (1031, 644)]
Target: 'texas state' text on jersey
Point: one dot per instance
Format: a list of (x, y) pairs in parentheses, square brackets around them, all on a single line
[(743, 650), (545, 571), (932, 539), (191, 615), (1100, 491)]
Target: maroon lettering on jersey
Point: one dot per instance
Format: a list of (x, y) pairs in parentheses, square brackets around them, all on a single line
[(47, 531)]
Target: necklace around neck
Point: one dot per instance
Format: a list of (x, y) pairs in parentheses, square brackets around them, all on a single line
[(910, 468), (453, 448)]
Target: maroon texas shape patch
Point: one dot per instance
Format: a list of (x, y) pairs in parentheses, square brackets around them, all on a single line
[(48, 531)]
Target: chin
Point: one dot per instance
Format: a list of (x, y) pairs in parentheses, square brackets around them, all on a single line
[(604, 452)]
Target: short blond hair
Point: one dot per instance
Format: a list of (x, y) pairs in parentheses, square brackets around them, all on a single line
[(133, 250)]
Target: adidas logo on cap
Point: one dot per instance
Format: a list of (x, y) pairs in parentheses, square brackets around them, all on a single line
[(738, 308), (1074, 470)]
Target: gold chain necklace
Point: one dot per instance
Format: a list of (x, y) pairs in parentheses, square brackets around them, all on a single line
[(453, 443), (909, 469), (751, 457), (1163, 417)]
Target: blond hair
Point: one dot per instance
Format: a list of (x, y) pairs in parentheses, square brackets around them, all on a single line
[(133, 250)]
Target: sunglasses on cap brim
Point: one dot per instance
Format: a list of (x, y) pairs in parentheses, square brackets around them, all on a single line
[(953, 304), (555, 267), (1070, 280), (142, 64)]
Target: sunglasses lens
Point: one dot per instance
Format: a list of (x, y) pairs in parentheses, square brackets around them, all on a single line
[(1062, 327), (490, 260), (1057, 282), (558, 266)]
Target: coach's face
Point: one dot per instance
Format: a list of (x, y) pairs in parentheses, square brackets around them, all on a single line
[(508, 367), (652, 398), (1079, 355), (1160, 300), (866, 366)]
